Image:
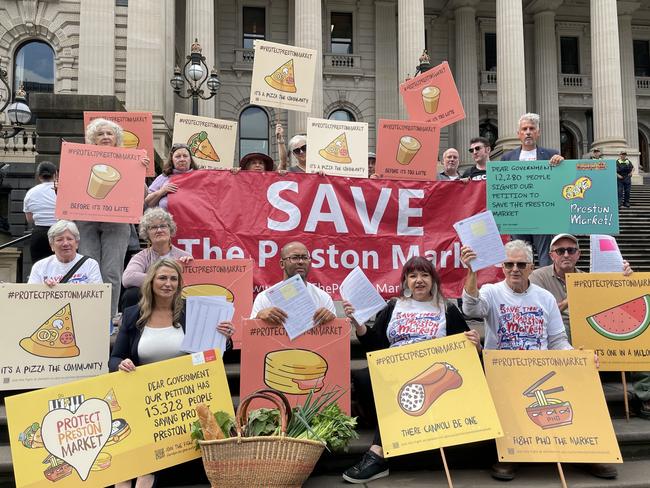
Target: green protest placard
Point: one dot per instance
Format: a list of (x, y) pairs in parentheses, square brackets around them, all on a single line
[(533, 197)]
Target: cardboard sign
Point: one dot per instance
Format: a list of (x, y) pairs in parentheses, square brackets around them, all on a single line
[(231, 278), (551, 406), (610, 314), (533, 197), (407, 150), (283, 76), (138, 131), (88, 433), (319, 359), (431, 394), (433, 97), (53, 335), (212, 141), (100, 184), (337, 148)]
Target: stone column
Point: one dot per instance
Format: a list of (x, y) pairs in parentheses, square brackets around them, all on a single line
[(146, 78), (410, 41), (199, 24), (609, 132), (546, 95), (96, 48), (511, 69), (308, 27), (466, 73), (386, 81), (628, 80)]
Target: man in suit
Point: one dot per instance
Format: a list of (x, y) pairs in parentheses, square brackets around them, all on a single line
[(528, 134)]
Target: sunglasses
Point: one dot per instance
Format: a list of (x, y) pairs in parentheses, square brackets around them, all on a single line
[(475, 149), (301, 149), (519, 265), (569, 250)]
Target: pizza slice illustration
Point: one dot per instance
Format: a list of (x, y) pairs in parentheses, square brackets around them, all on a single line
[(282, 78), (201, 147), (111, 399), (55, 338), (337, 150)]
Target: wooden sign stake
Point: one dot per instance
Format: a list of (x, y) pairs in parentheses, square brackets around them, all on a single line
[(625, 401), (444, 463), (559, 469)]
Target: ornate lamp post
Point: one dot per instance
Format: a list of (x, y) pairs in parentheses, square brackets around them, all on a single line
[(18, 112), (195, 72)]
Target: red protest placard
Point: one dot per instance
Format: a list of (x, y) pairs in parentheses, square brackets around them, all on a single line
[(407, 150), (433, 97), (138, 131), (231, 278), (319, 359), (100, 183)]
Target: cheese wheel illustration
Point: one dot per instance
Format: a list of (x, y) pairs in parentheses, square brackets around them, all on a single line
[(419, 393), (207, 290), (294, 371)]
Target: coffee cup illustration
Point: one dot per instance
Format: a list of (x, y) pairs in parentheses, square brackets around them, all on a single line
[(407, 149), (430, 98), (103, 179)]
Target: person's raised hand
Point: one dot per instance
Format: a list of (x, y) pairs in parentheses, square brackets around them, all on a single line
[(272, 315), (322, 316)]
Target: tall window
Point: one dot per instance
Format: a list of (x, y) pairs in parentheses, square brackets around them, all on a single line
[(343, 115), (34, 67), (253, 131), (569, 56), (254, 25), (641, 57), (490, 51), (341, 32)]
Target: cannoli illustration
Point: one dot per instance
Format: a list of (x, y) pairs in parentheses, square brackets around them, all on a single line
[(337, 150), (201, 147), (57, 468), (282, 78), (130, 140), (102, 180), (207, 290), (407, 149), (430, 99), (546, 412), (294, 371), (54, 338), (418, 394)]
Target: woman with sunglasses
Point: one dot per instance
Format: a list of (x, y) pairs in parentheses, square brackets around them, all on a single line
[(180, 161)]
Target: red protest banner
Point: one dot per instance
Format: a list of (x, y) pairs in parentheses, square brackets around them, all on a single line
[(344, 222)]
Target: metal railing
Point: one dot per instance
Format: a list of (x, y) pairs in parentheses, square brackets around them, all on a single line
[(15, 241)]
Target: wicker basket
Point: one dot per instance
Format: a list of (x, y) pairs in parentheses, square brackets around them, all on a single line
[(278, 461)]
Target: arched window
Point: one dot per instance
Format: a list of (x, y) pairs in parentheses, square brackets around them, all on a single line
[(342, 114), (569, 143), (253, 131), (34, 67)]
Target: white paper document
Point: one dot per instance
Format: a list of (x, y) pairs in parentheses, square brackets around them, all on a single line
[(203, 314), (292, 297), (357, 289), (604, 256), (480, 232)]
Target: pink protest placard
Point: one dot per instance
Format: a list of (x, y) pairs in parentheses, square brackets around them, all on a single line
[(100, 183), (433, 97), (407, 149), (138, 131)]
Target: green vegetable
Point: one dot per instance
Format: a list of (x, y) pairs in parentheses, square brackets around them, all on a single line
[(262, 421)]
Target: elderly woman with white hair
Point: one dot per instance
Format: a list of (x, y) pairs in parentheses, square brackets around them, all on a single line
[(157, 227), (66, 265)]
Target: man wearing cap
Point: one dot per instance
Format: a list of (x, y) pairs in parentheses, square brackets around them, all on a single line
[(450, 161), (372, 159), (596, 153), (294, 260), (624, 169)]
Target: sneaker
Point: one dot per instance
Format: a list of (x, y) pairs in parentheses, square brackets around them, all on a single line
[(371, 467), (503, 471), (602, 470)]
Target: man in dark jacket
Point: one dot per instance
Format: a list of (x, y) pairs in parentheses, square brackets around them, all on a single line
[(624, 168)]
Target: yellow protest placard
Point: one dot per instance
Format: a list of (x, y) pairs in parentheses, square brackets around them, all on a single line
[(89, 432), (53, 335), (551, 406), (337, 148), (211, 142), (610, 314), (431, 394)]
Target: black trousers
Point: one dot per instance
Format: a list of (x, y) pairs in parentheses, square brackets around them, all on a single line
[(39, 245)]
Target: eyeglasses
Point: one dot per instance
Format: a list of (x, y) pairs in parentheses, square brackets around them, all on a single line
[(475, 149), (297, 259), (158, 227), (569, 250), (298, 150), (511, 265)]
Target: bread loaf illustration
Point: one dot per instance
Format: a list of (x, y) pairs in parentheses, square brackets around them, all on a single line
[(418, 394)]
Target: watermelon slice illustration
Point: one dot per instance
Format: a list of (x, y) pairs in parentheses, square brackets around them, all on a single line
[(623, 322)]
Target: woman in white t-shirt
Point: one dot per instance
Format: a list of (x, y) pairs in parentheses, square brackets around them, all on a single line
[(38, 206), (418, 314)]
